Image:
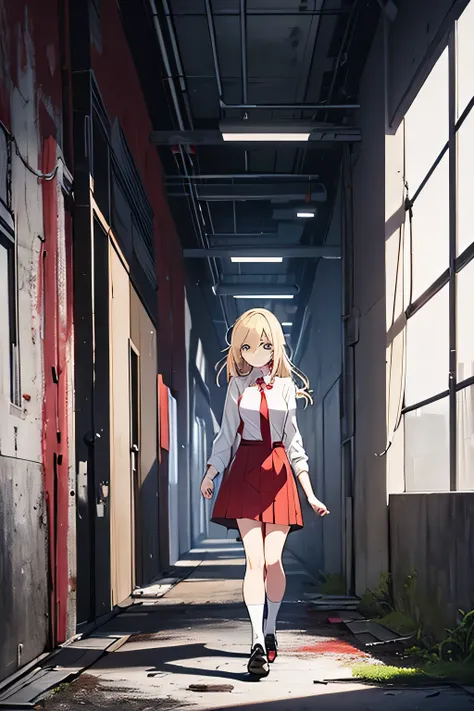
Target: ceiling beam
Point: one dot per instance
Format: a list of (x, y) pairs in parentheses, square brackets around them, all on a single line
[(261, 12), (319, 136), (227, 289), (289, 107), (244, 235), (304, 252), (260, 191), (245, 176)]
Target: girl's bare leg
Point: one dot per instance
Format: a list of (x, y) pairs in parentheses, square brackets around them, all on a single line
[(254, 585), (274, 543)]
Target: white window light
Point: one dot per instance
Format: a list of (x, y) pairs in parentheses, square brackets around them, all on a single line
[(256, 259), (272, 137), (263, 296)]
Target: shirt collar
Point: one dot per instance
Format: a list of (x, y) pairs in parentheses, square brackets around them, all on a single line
[(257, 373)]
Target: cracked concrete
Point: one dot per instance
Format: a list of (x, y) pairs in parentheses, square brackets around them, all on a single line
[(189, 649)]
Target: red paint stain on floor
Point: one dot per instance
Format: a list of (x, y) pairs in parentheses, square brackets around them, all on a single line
[(332, 646)]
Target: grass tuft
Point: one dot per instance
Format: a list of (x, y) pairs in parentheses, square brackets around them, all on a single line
[(437, 671), (383, 673), (398, 622)]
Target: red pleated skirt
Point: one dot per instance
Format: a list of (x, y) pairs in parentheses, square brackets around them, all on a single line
[(259, 485)]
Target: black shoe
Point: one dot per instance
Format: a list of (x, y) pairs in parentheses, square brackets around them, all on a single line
[(272, 647), (258, 662)]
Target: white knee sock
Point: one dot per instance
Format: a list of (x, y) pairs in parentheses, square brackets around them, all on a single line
[(270, 624), (256, 618)]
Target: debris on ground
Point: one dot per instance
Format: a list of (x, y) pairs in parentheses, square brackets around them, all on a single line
[(211, 687)]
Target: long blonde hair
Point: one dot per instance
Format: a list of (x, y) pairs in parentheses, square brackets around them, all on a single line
[(255, 323)]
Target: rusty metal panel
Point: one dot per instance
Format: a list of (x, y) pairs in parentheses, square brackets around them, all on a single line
[(23, 564), (121, 518)]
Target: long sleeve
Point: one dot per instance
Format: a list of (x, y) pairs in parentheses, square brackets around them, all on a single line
[(292, 439), (222, 445)]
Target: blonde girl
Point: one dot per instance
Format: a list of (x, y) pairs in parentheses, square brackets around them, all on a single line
[(260, 451)]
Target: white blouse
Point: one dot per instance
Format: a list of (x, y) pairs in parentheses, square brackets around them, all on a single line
[(281, 400)]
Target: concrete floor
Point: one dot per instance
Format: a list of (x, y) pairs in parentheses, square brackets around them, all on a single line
[(199, 635)]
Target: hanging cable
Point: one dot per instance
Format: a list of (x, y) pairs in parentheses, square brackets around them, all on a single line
[(38, 174), (401, 250)]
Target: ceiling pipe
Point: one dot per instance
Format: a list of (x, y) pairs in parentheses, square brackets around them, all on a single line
[(197, 215), (243, 48), (212, 36), (179, 66)]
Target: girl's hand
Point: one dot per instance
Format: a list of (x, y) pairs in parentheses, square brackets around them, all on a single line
[(207, 487), (318, 506)]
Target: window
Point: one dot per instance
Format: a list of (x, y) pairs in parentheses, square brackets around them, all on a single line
[(430, 229), (8, 286), (428, 349), (427, 125), (427, 447), (465, 202)]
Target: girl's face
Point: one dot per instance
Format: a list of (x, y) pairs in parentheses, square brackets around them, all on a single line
[(256, 350)]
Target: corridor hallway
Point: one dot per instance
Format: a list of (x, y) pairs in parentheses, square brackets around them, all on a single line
[(198, 633)]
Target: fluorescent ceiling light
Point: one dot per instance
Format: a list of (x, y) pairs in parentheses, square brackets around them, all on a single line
[(304, 213), (287, 335), (255, 136), (287, 323), (256, 259), (263, 296), (271, 131)]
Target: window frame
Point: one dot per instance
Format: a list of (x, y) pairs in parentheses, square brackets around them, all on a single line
[(9, 243), (456, 262)]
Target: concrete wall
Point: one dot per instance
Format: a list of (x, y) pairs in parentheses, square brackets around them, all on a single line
[(432, 534), (370, 506), (319, 543)]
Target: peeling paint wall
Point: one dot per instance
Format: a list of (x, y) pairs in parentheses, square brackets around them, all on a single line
[(34, 430)]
